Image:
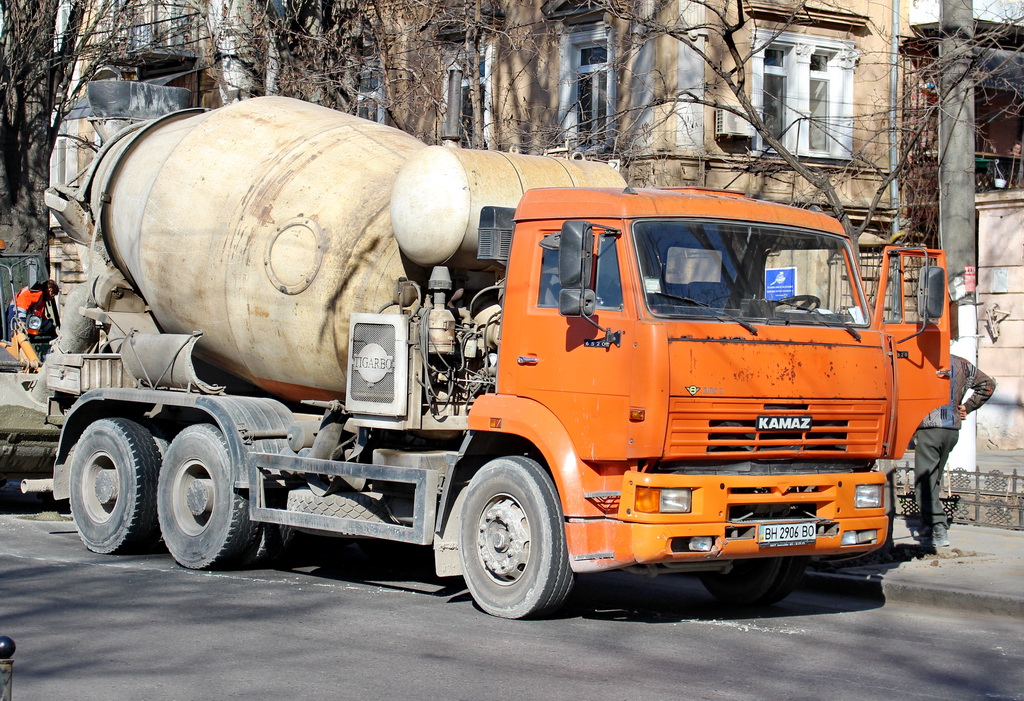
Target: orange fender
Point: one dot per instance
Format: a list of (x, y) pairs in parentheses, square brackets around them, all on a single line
[(528, 419)]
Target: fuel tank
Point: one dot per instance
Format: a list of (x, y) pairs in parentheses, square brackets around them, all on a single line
[(267, 223)]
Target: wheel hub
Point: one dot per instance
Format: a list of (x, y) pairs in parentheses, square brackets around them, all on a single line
[(105, 486), (504, 539), (199, 497)]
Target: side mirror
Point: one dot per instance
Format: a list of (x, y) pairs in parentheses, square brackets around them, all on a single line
[(577, 302), (931, 293), (575, 255)]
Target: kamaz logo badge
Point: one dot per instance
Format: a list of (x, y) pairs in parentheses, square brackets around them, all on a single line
[(783, 423)]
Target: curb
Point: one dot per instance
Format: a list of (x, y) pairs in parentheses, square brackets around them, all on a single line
[(876, 588)]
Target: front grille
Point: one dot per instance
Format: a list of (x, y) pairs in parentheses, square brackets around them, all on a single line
[(725, 436), (728, 428), (760, 513)]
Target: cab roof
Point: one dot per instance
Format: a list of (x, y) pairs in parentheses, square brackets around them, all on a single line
[(629, 203)]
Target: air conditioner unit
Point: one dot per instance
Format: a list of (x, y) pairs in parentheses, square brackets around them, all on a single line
[(731, 125)]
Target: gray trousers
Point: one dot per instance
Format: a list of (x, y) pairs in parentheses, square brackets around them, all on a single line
[(931, 450)]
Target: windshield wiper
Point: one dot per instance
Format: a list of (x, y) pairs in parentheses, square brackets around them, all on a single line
[(817, 316), (721, 315)]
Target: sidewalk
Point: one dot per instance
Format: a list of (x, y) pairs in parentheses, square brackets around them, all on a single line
[(982, 571)]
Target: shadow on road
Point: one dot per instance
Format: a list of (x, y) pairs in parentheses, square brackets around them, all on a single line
[(618, 596)]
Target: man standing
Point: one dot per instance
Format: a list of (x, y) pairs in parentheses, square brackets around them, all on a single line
[(935, 438)]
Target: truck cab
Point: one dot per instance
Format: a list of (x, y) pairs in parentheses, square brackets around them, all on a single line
[(721, 382)]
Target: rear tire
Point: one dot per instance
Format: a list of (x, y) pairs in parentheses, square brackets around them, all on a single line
[(269, 546), (204, 521), (512, 540), (113, 485), (757, 582)]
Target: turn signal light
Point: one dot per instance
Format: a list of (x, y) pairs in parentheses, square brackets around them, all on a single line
[(647, 500), (663, 501)]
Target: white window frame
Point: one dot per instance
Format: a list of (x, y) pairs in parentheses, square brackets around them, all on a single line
[(573, 41), (839, 74), (370, 102)]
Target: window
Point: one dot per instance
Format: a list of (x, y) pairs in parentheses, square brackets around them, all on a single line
[(900, 300), (587, 88), (158, 23), (804, 88), (370, 99), (609, 285)]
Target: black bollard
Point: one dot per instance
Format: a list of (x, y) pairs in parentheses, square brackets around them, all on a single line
[(7, 648)]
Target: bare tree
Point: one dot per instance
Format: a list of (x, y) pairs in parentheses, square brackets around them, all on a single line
[(48, 49), (728, 40), (401, 61)]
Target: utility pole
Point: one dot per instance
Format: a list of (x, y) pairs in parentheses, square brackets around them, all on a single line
[(956, 192)]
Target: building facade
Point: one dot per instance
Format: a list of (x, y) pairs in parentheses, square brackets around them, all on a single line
[(750, 97)]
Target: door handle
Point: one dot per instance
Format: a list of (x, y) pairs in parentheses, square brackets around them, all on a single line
[(527, 360)]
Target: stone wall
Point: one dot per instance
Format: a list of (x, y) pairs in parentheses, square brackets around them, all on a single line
[(1001, 316)]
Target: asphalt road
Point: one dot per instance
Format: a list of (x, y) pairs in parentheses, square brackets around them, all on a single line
[(336, 625)]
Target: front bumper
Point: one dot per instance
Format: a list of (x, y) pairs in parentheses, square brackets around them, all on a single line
[(726, 511)]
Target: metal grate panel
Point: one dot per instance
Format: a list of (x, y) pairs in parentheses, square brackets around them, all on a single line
[(382, 391), (994, 499), (728, 428), (378, 359)]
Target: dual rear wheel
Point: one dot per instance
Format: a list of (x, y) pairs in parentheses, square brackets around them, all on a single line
[(113, 486), (204, 520), (129, 487)]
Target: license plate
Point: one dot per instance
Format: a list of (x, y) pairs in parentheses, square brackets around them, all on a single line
[(773, 534)]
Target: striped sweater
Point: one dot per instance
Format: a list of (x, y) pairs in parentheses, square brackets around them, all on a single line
[(963, 376)]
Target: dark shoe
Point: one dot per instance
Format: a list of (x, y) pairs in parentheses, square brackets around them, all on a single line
[(940, 536)]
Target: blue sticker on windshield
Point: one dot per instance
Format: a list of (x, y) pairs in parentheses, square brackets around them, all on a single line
[(779, 283)]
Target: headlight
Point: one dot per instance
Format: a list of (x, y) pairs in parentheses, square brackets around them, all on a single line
[(664, 501), (35, 322), (868, 496)]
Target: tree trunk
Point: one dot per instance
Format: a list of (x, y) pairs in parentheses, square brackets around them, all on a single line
[(26, 132)]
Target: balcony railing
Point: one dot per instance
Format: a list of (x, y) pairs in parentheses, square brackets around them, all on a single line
[(994, 172), (157, 31)]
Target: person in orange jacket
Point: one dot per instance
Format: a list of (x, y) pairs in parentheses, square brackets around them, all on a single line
[(32, 302)]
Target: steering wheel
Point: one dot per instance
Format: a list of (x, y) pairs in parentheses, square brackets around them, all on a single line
[(806, 302)]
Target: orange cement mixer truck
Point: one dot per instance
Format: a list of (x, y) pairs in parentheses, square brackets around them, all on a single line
[(298, 320)]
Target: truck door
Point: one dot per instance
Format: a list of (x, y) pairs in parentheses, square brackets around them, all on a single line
[(560, 361), (920, 347)]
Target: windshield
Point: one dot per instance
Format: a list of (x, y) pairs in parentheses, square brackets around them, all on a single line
[(758, 272)]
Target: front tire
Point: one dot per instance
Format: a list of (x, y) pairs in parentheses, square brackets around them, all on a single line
[(757, 582), (113, 485), (204, 521), (512, 540)]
